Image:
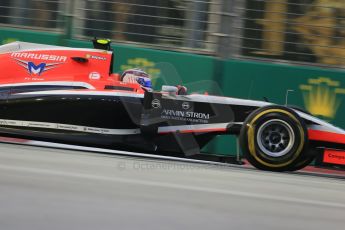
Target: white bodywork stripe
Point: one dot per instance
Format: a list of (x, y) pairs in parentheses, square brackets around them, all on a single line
[(166, 129), (51, 83), (321, 125), (217, 100), (83, 92), (326, 129), (77, 128)]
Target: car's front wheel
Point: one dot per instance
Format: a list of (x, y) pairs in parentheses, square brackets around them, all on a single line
[(274, 138)]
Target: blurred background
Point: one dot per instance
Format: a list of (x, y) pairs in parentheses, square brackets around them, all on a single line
[(242, 48), (303, 31)]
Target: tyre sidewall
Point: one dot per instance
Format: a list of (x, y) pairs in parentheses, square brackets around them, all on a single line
[(249, 142)]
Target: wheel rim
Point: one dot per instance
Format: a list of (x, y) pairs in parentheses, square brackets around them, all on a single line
[(275, 138)]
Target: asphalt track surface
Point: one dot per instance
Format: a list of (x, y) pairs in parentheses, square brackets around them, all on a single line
[(43, 188)]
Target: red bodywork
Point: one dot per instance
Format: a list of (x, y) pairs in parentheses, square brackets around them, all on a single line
[(89, 66)]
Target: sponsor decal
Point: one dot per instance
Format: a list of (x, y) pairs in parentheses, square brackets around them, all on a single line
[(322, 97), (334, 157), (38, 69), (69, 127), (185, 116), (39, 124), (156, 104), (46, 57), (48, 125), (96, 57), (94, 76)]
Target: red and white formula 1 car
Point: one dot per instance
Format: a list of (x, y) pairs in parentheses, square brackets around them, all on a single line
[(71, 96)]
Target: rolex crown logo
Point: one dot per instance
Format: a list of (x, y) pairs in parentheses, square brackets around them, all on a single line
[(321, 96)]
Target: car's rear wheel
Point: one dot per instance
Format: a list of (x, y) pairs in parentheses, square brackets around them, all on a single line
[(274, 138)]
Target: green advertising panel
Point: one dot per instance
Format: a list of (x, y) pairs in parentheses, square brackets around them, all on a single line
[(8, 35), (319, 91)]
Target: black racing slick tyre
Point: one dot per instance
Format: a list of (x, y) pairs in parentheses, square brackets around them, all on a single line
[(274, 138), (302, 163), (307, 158)]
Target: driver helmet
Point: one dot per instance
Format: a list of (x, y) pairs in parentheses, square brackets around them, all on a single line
[(137, 76)]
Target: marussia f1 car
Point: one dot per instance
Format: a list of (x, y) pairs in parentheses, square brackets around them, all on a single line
[(71, 96)]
